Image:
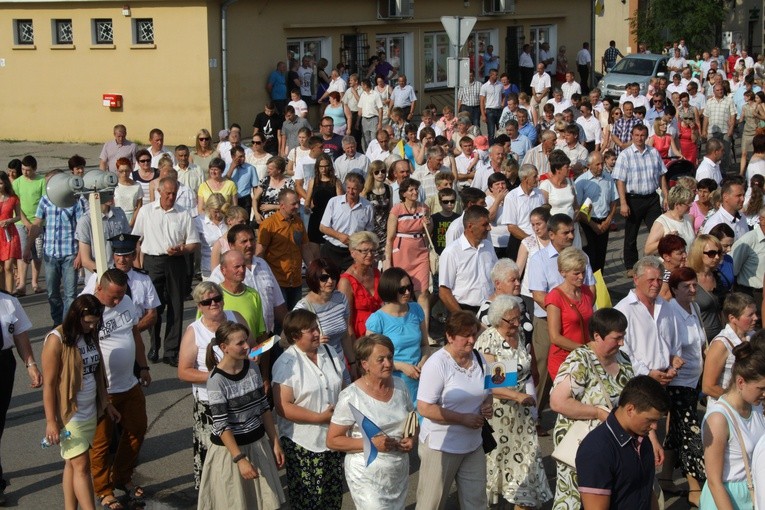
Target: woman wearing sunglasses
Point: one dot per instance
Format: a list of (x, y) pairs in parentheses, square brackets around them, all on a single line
[(380, 196), (330, 306), (191, 363), (204, 152), (704, 257), (145, 173), (403, 321)]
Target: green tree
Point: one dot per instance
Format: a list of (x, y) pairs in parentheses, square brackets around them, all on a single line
[(697, 21)]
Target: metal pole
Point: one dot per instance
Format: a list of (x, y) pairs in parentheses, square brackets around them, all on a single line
[(477, 55), (457, 52), (99, 242)]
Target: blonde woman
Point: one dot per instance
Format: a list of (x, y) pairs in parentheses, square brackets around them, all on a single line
[(380, 196), (675, 221), (204, 152)]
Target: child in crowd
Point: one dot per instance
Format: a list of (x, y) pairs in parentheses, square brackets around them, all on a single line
[(609, 161), (446, 212), (445, 181), (428, 121), (448, 122), (301, 109), (240, 469)]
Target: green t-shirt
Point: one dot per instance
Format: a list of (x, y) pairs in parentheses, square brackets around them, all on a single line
[(248, 304), (30, 191)]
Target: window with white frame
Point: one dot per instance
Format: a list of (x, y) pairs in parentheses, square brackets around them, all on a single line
[(23, 32), (62, 31), (437, 49), (103, 31), (396, 52), (314, 48), (143, 31)]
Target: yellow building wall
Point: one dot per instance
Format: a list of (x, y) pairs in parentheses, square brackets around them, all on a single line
[(614, 25), (56, 94), (259, 32)]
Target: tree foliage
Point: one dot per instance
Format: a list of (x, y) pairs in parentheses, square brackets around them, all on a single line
[(658, 21)]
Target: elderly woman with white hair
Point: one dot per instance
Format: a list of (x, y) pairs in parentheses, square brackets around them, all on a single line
[(514, 468), (507, 281)]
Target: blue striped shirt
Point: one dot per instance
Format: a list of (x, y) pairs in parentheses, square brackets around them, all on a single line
[(640, 171), (60, 226)]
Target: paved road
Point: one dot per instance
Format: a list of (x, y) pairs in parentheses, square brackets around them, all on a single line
[(165, 462)]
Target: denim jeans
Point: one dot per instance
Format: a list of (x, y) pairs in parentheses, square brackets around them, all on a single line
[(492, 119), (59, 271)]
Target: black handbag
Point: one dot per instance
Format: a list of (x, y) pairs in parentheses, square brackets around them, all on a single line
[(487, 432)]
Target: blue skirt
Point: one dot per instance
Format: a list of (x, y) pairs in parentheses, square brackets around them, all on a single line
[(737, 491)]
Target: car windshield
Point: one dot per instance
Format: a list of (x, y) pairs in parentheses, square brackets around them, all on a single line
[(634, 66)]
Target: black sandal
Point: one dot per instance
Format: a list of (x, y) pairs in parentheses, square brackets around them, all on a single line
[(112, 504), (135, 493)]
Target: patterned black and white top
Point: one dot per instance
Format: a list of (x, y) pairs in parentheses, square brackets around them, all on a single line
[(237, 402)]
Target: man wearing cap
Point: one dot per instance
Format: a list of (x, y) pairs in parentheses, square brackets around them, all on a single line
[(115, 223), (140, 289), (167, 235)]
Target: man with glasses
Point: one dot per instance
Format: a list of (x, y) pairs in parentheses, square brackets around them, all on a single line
[(656, 110), (748, 254), (115, 149), (345, 215), (332, 143)]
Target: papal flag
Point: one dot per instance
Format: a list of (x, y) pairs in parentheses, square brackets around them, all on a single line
[(600, 8), (368, 430)]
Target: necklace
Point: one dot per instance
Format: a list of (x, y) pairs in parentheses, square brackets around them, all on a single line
[(373, 391)]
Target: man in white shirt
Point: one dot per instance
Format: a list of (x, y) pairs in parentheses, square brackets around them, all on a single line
[(653, 337), (677, 63), (526, 63), (540, 88), (547, 58), (464, 267), (403, 97), (336, 84), (633, 95), (466, 162), (492, 165), (305, 74), (188, 173), (677, 85), (731, 203), (351, 160), (371, 112), (378, 149), (748, 61), (345, 215), (709, 168), (592, 131), (491, 103), (167, 236), (583, 65), (570, 87), (517, 206), (157, 147), (695, 98), (121, 349), (559, 103)]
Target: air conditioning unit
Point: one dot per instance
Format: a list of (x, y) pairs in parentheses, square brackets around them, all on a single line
[(498, 7), (395, 9)]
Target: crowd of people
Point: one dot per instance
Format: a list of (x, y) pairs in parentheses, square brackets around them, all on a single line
[(394, 225)]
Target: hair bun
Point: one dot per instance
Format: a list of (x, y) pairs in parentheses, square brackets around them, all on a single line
[(743, 351)]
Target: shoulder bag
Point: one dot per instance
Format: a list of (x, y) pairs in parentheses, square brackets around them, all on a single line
[(487, 432), (432, 255), (742, 445), (566, 450)]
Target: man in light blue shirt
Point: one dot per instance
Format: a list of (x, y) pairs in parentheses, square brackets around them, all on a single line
[(519, 144), (245, 176), (600, 188)]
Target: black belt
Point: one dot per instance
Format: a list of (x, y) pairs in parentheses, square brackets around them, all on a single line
[(164, 255), (600, 220), (469, 308), (638, 195)]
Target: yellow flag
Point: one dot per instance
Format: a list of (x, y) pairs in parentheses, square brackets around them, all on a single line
[(600, 7), (399, 149)]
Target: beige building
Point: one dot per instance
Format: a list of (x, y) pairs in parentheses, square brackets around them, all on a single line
[(614, 25), (166, 59)]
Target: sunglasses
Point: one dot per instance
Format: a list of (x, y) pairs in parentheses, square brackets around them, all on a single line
[(366, 251), (204, 138), (617, 113), (713, 253), (447, 202), (144, 161), (406, 288), (256, 143), (379, 172), (324, 278), (208, 302)]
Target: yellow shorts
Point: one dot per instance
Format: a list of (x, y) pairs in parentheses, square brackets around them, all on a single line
[(81, 439)]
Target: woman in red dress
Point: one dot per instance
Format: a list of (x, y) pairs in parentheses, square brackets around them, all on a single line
[(10, 245)]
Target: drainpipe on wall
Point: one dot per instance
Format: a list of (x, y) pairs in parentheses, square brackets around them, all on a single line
[(224, 58)]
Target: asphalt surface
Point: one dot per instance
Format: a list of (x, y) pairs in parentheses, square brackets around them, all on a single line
[(165, 464)]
